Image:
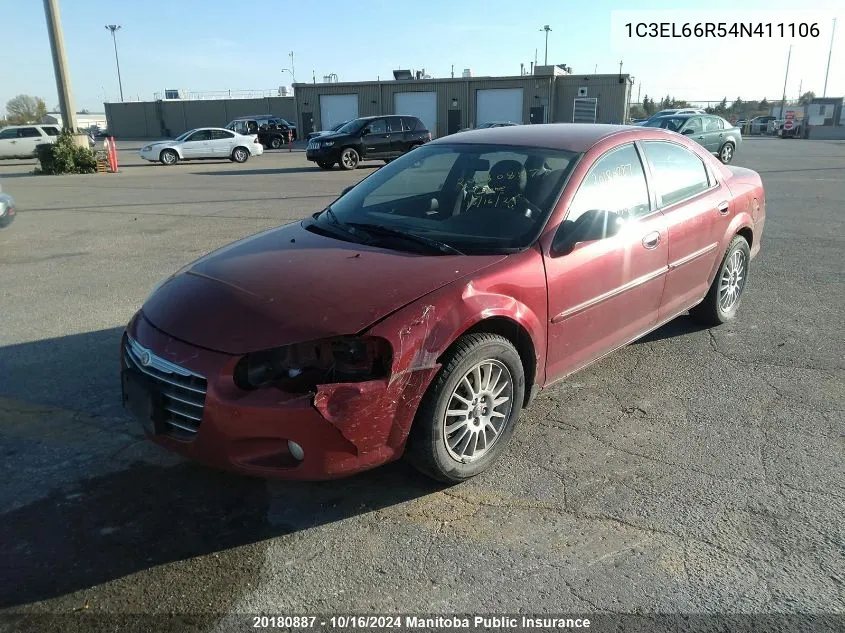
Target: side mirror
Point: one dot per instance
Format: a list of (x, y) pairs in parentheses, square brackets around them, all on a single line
[(365, 131), (347, 190), (590, 226)]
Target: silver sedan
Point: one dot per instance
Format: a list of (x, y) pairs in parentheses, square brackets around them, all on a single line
[(204, 143)]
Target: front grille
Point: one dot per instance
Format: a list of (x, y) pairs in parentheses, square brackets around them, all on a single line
[(182, 391)]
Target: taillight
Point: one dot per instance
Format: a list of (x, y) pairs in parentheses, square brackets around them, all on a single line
[(255, 140)]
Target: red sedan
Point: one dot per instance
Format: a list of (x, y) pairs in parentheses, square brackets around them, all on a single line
[(424, 308)]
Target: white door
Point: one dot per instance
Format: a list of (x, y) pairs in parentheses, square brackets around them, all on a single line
[(222, 143), (8, 142), (422, 105), (198, 145), (499, 104), (336, 109), (28, 138)]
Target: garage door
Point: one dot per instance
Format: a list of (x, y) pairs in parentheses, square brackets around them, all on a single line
[(336, 109), (422, 105), (504, 104)]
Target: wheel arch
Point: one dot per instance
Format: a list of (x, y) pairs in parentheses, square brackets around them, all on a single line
[(173, 149)]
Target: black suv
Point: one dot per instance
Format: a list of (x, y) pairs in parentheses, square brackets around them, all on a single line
[(368, 138), (272, 130)]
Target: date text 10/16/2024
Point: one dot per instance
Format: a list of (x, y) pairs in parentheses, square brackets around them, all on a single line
[(417, 622)]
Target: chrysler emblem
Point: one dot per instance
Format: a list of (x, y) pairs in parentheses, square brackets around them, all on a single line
[(146, 358)]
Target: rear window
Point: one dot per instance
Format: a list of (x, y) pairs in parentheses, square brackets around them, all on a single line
[(412, 124), (678, 173), (51, 131)]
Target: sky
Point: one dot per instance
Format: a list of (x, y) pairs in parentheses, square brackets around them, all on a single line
[(219, 45)]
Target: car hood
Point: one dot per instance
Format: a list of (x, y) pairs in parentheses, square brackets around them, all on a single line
[(329, 136), (289, 285)]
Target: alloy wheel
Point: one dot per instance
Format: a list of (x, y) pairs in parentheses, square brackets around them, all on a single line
[(477, 411), (732, 280)]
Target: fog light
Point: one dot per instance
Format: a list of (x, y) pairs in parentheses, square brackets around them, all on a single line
[(296, 451)]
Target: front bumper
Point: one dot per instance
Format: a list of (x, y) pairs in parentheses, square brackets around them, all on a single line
[(342, 429), (321, 154)]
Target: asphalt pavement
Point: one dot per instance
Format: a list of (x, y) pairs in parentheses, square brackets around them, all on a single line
[(696, 471)]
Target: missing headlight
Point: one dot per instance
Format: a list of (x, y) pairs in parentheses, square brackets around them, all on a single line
[(302, 366)]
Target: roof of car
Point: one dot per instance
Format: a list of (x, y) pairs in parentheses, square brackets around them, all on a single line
[(575, 137)]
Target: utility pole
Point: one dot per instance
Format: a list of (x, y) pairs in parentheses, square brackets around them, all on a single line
[(57, 46), (114, 28), (783, 101), (453, 71), (829, 53), (547, 29), (292, 69)]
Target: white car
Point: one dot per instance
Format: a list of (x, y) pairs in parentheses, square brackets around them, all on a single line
[(19, 141), (204, 143)]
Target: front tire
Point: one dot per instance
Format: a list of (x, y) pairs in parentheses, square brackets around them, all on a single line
[(726, 153), (240, 155), (722, 301), (168, 157), (469, 412), (349, 159)]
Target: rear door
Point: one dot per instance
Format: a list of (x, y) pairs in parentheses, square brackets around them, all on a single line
[(399, 142), (376, 139), (714, 132), (696, 207), (198, 145), (222, 143)]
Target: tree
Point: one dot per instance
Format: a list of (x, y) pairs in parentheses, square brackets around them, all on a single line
[(649, 107), (25, 109), (807, 97)]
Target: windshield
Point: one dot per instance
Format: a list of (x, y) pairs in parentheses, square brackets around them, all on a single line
[(339, 125), (351, 127), (671, 123), (183, 135), (472, 198)]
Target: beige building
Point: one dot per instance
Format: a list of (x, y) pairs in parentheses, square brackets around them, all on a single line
[(550, 95)]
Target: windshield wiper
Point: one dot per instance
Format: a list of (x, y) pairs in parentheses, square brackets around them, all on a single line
[(443, 247)]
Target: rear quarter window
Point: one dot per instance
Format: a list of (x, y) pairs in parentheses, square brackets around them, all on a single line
[(678, 173)]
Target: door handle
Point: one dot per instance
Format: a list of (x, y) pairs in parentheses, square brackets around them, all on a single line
[(724, 207), (702, 136), (651, 240)]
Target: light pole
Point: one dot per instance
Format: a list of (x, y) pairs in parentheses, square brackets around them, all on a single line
[(546, 28), (60, 65), (292, 69), (114, 28), (829, 53), (783, 101)]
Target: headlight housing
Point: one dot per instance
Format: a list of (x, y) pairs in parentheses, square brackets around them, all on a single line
[(146, 148), (327, 143), (302, 366)]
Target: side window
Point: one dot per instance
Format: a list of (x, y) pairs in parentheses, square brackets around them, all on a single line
[(394, 124), (200, 135), (411, 124), (712, 124), (28, 132), (221, 134), (694, 124), (615, 183), (678, 173), (51, 131), (8, 133), (377, 127)]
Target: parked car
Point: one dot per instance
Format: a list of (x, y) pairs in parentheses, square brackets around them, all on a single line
[(271, 130), (428, 304), (713, 132), (19, 141), (671, 111), (204, 143), (7, 209), (334, 128), (367, 138), (490, 124), (760, 124)]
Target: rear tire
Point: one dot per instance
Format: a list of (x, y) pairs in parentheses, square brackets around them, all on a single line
[(721, 303), (476, 397), (168, 157), (349, 159), (240, 154), (276, 142)]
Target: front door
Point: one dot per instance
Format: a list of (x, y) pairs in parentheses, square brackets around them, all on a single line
[(376, 139), (605, 291), (198, 145), (453, 121), (698, 211), (694, 128), (307, 124)]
